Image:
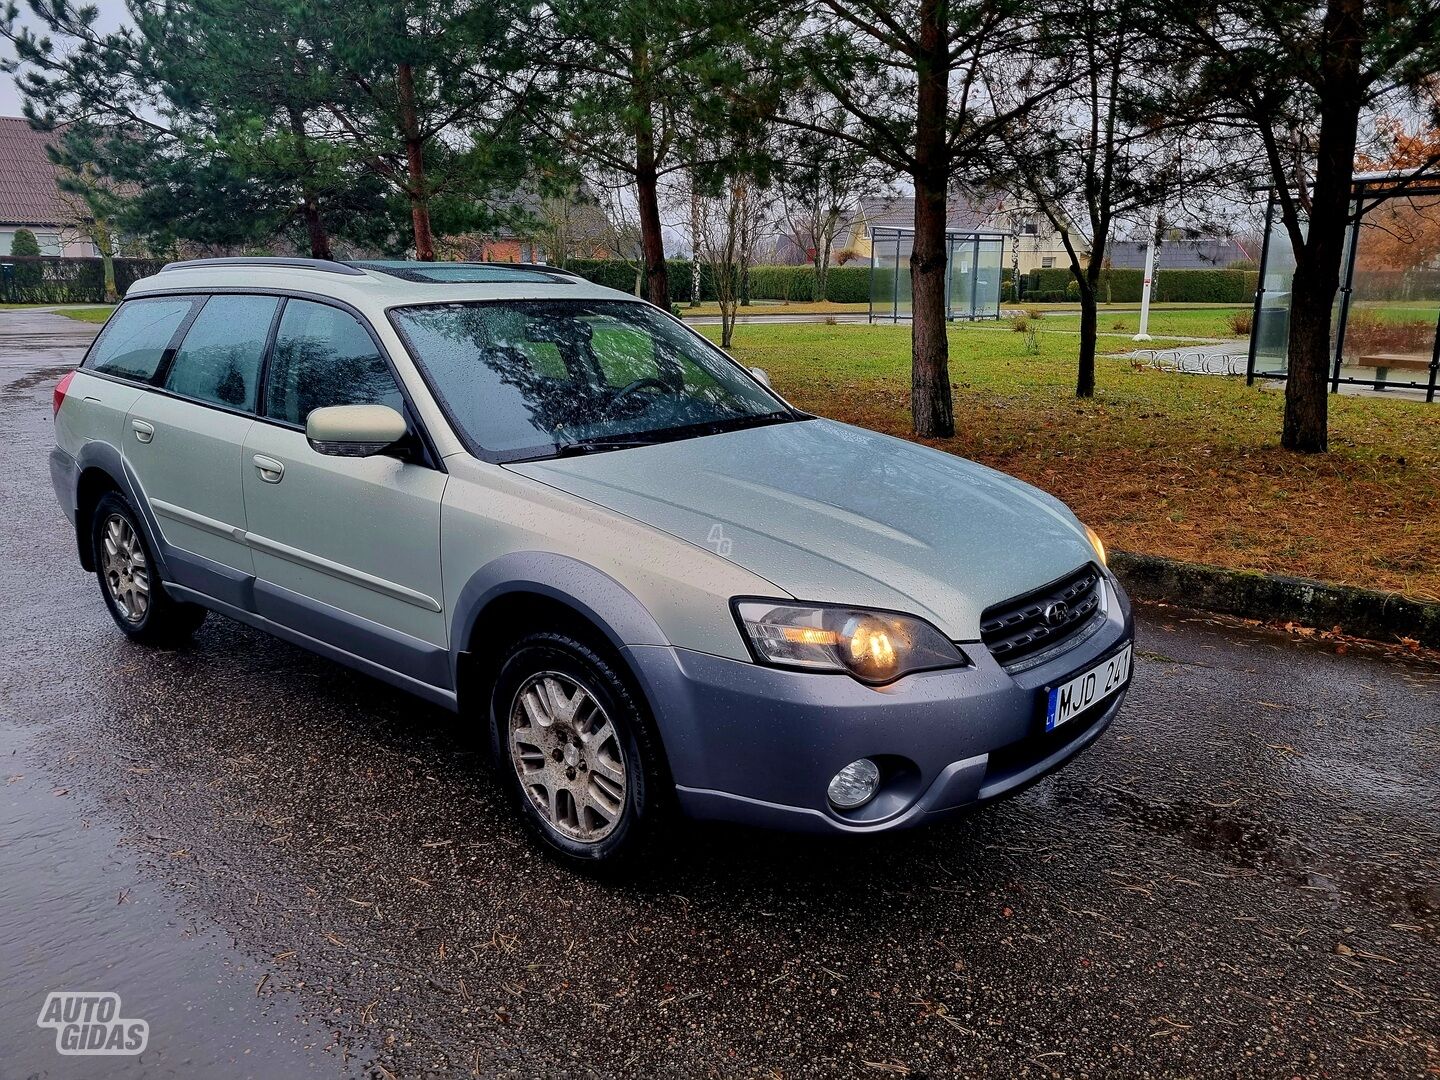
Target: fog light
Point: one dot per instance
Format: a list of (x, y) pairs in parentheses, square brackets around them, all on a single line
[(855, 784)]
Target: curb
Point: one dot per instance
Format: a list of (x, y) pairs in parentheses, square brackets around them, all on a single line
[(1368, 613)]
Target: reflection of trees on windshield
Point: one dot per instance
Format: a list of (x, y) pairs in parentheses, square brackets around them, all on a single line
[(530, 374)]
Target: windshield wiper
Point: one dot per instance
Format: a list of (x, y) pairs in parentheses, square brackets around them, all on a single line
[(599, 444)]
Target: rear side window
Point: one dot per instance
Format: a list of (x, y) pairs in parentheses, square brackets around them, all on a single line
[(324, 357), (219, 360), (135, 339)]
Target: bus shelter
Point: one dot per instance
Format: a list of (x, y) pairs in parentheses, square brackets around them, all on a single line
[(1385, 329), (972, 274)]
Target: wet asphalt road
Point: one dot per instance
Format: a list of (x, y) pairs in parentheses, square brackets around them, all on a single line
[(289, 869)]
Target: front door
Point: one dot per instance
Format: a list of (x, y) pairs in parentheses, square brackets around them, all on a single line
[(347, 550)]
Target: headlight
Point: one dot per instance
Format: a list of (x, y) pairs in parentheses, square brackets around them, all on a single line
[(873, 646), (1097, 544)]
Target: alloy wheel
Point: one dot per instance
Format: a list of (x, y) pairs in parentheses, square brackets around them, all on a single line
[(567, 755), (124, 569)]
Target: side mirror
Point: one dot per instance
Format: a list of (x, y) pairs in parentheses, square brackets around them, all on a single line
[(761, 374), (354, 430)]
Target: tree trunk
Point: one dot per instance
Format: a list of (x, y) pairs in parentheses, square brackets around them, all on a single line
[(1317, 266), (647, 181), (1089, 327), (107, 269), (315, 229), (1087, 282), (694, 243), (105, 245), (1307, 385), (930, 402), (415, 165), (309, 202), (647, 194), (822, 270)]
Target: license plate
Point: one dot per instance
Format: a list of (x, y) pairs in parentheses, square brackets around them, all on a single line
[(1105, 678)]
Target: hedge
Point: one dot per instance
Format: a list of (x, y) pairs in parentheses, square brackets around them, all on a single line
[(844, 284), (1125, 285), (66, 281)]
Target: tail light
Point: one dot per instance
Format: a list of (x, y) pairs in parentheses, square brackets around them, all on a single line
[(60, 388)]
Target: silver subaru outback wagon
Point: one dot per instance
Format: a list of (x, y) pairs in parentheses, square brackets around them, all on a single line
[(657, 588)]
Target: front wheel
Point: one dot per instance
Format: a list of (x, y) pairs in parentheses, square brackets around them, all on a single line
[(576, 752), (133, 592)]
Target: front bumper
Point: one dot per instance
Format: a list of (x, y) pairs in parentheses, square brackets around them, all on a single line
[(758, 745)]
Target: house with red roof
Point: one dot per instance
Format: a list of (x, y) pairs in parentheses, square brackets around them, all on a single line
[(31, 196)]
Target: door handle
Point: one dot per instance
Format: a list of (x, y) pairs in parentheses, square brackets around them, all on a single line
[(270, 470), (144, 430)]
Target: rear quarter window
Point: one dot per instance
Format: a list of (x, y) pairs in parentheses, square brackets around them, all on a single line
[(137, 336)]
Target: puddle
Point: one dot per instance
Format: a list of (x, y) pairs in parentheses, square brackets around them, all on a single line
[(77, 914)]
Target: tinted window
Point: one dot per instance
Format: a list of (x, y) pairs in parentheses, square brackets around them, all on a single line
[(136, 337), (324, 357), (219, 360)]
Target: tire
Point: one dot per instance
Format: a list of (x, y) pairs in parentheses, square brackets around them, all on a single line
[(133, 592), (594, 800)]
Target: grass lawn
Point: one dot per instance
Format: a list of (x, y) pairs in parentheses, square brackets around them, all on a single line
[(1424, 311), (1187, 466), (1203, 322), (86, 314)]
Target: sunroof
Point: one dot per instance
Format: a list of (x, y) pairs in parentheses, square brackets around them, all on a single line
[(461, 273)]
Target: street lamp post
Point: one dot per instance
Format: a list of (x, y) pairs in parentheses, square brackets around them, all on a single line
[(1144, 334)]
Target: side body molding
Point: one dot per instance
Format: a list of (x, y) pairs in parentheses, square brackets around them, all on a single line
[(600, 598)]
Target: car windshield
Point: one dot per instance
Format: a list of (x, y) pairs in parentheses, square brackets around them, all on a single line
[(543, 378)]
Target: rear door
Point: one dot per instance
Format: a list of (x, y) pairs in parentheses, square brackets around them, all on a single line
[(347, 550), (185, 439), (125, 357)]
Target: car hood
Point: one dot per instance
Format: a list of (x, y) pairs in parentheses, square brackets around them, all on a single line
[(830, 512)]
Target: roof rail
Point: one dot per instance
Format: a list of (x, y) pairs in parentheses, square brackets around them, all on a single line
[(384, 265), (323, 265), (545, 267)]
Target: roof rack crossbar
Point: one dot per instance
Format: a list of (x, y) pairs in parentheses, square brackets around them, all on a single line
[(323, 265)]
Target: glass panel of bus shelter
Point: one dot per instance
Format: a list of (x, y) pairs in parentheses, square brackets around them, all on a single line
[(1271, 331), (962, 276), (1395, 294), (987, 279), (882, 274), (904, 294)]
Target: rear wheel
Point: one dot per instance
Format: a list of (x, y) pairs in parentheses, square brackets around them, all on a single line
[(133, 592), (576, 753)]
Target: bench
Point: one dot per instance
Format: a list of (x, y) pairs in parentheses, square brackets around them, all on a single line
[(1384, 363)]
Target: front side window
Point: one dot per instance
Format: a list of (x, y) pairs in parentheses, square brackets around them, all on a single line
[(324, 357), (219, 360), (539, 378), (135, 339)]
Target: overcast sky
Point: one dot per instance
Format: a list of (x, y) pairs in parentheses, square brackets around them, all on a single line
[(112, 13)]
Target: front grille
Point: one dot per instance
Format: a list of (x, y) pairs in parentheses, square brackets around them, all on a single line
[(1018, 628)]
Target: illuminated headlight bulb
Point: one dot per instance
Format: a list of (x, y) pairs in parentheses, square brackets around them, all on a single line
[(872, 647)]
